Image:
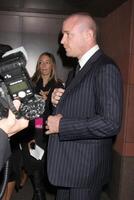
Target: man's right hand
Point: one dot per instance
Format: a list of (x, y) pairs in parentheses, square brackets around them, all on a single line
[(56, 95)]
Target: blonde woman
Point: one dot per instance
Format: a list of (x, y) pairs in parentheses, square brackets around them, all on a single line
[(45, 81)]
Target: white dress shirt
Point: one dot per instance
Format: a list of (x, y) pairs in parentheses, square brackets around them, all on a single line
[(87, 55)]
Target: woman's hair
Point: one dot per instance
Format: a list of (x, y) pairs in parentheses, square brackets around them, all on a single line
[(37, 75)]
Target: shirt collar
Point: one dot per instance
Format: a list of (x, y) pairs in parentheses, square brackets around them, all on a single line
[(87, 55)]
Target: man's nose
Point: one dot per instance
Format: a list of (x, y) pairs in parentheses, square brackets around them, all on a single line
[(62, 40)]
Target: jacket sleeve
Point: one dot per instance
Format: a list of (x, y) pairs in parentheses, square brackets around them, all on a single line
[(4, 148), (105, 122)]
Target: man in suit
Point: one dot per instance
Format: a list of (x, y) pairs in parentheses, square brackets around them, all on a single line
[(8, 127), (87, 116)]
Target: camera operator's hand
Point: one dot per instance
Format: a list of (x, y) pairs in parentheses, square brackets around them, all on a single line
[(11, 125), (56, 95)]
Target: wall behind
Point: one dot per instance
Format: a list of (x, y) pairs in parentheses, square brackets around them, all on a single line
[(117, 34), (36, 32)]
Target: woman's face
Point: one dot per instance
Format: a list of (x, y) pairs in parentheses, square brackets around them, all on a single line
[(45, 65)]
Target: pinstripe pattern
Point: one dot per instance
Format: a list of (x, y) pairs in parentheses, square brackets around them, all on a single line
[(80, 156), (76, 194)]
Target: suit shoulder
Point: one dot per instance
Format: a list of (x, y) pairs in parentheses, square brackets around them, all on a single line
[(105, 63), (104, 59)]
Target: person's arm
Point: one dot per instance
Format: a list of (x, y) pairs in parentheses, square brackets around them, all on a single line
[(105, 122), (11, 125), (8, 127), (107, 118)]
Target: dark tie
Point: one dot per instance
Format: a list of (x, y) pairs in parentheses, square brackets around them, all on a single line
[(77, 69), (71, 75)]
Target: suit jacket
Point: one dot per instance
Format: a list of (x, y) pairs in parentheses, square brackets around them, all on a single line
[(4, 148), (80, 155)]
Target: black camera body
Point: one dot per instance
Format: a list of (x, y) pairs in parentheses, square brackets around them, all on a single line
[(16, 77), (16, 84)]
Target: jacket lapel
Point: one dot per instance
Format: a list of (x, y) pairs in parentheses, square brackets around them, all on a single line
[(80, 75)]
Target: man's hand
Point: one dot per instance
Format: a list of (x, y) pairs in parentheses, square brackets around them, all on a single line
[(53, 124), (11, 125), (44, 94), (56, 95)]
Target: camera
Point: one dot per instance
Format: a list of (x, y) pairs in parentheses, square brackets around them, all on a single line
[(15, 83)]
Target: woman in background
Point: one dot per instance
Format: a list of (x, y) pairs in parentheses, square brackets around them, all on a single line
[(44, 80)]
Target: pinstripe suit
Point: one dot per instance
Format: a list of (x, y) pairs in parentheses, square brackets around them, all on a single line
[(80, 155)]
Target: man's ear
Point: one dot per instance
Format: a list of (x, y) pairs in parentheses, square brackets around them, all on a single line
[(90, 33)]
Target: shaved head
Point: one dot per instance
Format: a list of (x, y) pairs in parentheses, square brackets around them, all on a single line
[(84, 21), (79, 34)]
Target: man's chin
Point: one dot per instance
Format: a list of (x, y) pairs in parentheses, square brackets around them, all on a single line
[(69, 54)]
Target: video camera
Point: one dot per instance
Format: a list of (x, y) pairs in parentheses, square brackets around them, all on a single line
[(15, 83)]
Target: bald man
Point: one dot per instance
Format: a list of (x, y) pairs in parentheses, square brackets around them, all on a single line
[(87, 116)]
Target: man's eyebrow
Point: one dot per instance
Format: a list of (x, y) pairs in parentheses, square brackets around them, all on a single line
[(65, 31)]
